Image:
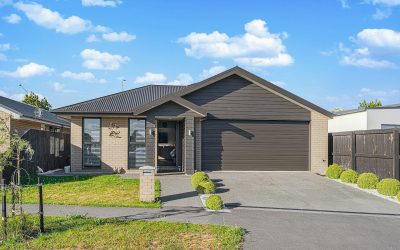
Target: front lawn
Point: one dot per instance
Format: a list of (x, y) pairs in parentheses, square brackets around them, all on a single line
[(104, 190), (89, 233)]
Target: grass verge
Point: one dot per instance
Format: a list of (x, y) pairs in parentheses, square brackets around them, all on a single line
[(89, 233)]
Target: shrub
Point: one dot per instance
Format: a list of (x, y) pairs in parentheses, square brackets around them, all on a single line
[(367, 180), (334, 171), (388, 187), (349, 176), (206, 187), (398, 196), (214, 202), (199, 177)]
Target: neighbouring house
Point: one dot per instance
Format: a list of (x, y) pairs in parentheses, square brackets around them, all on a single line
[(21, 117), (234, 121), (366, 118)]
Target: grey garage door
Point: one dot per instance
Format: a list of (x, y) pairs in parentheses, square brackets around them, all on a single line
[(255, 145)]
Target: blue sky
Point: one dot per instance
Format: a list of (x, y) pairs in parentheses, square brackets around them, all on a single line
[(333, 53)]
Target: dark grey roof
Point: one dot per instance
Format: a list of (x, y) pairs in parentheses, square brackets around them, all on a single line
[(28, 111), (123, 102)]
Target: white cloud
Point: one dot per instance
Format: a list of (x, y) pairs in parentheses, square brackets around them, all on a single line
[(102, 29), (85, 76), (344, 4), (18, 97), (373, 48), (382, 14), (182, 79), (92, 38), (385, 2), (257, 47), (52, 19), (58, 87), (387, 6), (118, 37), (151, 78), (12, 18), (28, 70), (5, 47), (212, 71), (3, 57), (94, 59), (101, 3)]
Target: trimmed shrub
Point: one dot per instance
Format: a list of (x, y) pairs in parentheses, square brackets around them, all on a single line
[(206, 187), (388, 186), (398, 196), (334, 171), (199, 177), (349, 176), (367, 180), (214, 202)]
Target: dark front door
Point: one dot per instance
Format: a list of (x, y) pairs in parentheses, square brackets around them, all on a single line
[(169, 146), (255, 145)]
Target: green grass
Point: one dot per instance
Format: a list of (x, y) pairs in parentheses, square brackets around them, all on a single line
[(89, 233), (104, 190)]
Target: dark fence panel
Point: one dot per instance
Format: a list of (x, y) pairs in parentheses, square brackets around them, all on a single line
[(374, 151)]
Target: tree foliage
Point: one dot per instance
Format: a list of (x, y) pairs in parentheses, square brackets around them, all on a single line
[(33, 99), (371, 104)]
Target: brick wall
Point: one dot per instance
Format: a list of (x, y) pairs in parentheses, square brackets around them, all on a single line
[(6, 118), (76, 143), (319, 142)]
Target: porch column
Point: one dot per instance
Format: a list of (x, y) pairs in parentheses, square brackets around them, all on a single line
[(189, 145)]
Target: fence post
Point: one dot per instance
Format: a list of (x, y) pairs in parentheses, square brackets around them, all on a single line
[(353, 151), (41, 213), (4, 208), (396, 153)]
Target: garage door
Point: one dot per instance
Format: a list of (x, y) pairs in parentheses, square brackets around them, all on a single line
[(255, 145)]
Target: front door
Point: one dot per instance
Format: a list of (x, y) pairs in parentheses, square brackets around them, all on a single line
[(168, 146)]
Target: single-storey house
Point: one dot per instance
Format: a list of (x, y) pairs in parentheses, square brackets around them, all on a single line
[(233, 121), (366, 118), (21, 117)]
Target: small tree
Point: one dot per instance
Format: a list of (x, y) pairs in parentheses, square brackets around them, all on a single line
[(371, 104), (33, 99)]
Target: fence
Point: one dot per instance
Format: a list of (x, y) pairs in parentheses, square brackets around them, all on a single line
[(52, 151), (375, 151)]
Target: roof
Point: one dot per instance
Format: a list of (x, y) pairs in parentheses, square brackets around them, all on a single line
[(28, 111), (122, 102), (352, 111), (139, 100)]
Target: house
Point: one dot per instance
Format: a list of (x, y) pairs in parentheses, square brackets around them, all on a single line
[(366, 118), (21, 117), (234, 121)]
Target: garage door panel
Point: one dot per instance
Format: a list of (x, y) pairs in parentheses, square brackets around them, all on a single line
[(255, 145)]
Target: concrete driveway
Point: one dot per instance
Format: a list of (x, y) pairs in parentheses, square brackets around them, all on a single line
[(296, 191)]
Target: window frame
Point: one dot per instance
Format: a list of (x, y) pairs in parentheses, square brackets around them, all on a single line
[(145, 139), (83, 142)]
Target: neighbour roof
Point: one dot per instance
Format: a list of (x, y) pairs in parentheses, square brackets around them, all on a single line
[(142, 99), (352, 111), (123, 102), (28, 111)]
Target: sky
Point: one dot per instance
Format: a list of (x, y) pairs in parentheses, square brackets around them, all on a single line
[(333, 53)]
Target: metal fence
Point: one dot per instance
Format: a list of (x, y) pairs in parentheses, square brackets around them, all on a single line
[(375, 151)]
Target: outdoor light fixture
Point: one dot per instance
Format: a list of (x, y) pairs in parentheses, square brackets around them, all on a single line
[(190, 132), (150, 131)]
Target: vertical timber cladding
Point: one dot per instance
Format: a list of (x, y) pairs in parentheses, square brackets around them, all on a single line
[(251, 128)]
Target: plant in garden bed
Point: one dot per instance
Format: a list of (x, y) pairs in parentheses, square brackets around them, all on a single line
[(334, 171), (206, 187), (388, 186), (214, 202), (349, 176), (198, 177), (367, 180)]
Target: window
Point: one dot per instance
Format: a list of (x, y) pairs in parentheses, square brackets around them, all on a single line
[(137, 143), (91, 142)]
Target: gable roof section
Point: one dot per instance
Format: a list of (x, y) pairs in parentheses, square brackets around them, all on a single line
[(120, 103), (250, 77), (28, 111)]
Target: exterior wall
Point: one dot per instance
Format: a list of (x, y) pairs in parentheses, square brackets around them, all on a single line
[(236, 98), (197, 130), (21, 126), (378, 117), (349, 122), (76, 143), (6, 117), (114, 150), (189, 154), (318, 143)]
